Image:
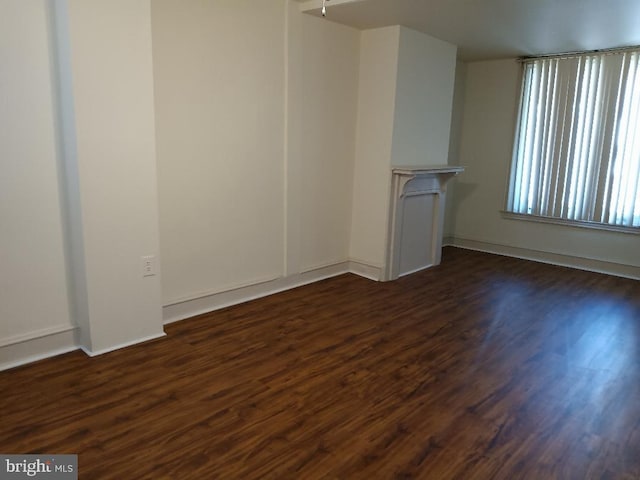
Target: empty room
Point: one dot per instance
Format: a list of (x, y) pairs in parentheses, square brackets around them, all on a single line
[(320, 239)]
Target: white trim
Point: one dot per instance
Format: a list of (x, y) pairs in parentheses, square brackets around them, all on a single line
[(36, 357), (285, 137), (95, 353), (416, 270), (45, 332), (37, 347), (209, 303), (226, 289), (312, 268), (580, 263), (570, 223), (366, 270)]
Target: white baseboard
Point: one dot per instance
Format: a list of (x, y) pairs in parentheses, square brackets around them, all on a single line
[(415, 270), (366, 270), (589, 264), (95, 353), (50, 342), (190, 308), (38, 345)]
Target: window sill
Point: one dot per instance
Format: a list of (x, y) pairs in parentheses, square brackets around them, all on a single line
[(570, 223)]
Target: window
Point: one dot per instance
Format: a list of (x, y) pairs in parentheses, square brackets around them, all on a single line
[(577, 147)]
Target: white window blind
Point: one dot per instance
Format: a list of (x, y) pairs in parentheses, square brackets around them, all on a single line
[(577, 146)]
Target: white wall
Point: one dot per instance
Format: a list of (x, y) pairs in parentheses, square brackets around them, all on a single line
[(424, 97), (219, 94), (374, 135), (255, 114), (491, 96), (112, 87), (455, 139), (330, 54), (33, 287)]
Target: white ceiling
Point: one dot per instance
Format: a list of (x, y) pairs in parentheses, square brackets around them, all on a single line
[(489, 29)]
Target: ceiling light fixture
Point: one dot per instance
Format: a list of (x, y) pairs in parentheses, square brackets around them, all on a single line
[(324, 8)]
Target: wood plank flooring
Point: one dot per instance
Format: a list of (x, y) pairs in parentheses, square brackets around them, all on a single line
[(484, 367)]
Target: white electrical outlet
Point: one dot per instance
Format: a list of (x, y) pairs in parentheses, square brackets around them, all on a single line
[(148, 265)]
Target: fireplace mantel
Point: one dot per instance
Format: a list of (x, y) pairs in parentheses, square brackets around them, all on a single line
[(416, 218), (443, 173)]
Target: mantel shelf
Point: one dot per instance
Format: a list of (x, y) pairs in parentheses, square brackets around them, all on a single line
[(437, 169)]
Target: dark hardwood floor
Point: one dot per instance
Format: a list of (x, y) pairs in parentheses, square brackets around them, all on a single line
[(484, 367)]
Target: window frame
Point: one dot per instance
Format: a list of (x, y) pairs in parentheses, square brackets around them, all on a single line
[(513, 165)]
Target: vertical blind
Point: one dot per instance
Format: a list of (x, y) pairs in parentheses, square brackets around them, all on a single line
[(577, 146)]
